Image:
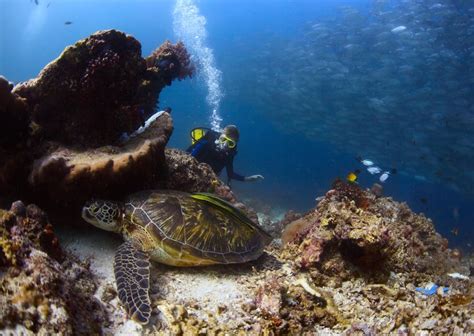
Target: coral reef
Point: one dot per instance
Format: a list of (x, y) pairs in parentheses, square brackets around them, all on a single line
[(42, 289), (351, 265), (65, 143), (352, 232), (14, 130), (341, 271)]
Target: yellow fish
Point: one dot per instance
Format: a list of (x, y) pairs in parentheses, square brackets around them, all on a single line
[(352, 176)]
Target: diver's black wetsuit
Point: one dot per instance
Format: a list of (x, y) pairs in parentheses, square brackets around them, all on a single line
[(205, 150)]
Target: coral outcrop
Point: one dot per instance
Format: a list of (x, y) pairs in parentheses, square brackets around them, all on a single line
[(185, 173), (42, 290), (98, 89), (352, 265), (64, 139), (351, 232), (108, 172)]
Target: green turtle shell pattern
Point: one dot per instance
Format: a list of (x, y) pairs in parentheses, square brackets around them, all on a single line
[(192, 229)]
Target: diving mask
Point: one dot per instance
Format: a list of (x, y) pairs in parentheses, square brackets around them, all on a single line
[(228, 142)]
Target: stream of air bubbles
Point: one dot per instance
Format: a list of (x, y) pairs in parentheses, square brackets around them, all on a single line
[(190, 27)]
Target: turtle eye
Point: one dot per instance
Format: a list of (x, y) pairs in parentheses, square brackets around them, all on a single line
[(94, 209)]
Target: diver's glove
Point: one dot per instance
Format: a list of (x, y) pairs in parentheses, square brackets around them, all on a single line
[(253, 178)]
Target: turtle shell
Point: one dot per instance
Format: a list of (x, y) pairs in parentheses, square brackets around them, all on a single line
[(194, 229)]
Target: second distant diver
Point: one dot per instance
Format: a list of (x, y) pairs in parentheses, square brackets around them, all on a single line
[(218, 149)]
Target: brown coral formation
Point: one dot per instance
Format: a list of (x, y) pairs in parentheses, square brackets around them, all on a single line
[(64, 127), (14, 120), (185, 173), (42, 290), (108, 172), (353, 230), (96, 90)]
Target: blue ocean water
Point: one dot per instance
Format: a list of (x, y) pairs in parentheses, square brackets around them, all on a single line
[(297, 168)]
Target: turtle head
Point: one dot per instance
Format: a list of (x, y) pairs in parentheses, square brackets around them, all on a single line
[(103, 214)]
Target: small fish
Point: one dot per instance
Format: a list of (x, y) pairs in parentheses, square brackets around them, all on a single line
[(367, 163), (141, 129), (364, 161), (458, 276), (68, 23), (423, 200), (374, 170), (432, 289), (455, 231), (399, 29), (384, 176), (352, 176)]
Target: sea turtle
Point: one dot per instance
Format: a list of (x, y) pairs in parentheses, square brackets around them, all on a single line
[(173, 228)]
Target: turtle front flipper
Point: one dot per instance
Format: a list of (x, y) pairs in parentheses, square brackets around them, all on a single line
[(132, 275)]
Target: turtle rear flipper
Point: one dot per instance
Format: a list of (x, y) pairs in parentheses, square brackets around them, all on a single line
[(132, 275)]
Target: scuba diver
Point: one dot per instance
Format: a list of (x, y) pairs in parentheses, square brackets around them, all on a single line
[(218, 150)]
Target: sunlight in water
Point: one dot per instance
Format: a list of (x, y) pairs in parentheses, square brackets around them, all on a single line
[(190, 27)]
